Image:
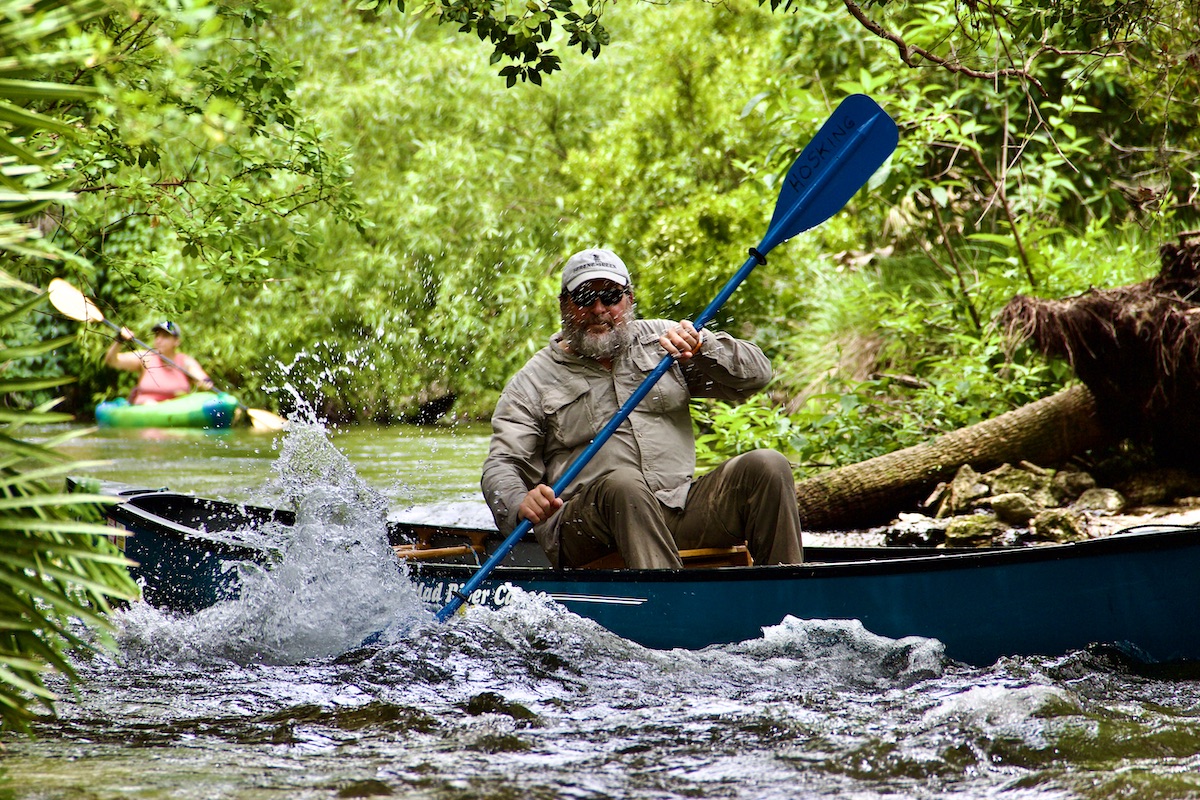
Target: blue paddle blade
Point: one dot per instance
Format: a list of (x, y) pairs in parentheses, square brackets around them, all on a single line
[(839, 160)]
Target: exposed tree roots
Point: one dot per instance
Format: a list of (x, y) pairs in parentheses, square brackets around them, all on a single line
[(1137, 348)]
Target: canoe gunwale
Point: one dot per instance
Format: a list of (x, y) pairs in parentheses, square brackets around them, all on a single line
[(129, 514), (1161, 539), (875, 561)]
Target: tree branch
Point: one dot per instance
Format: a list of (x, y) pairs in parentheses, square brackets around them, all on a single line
[(909, 52)]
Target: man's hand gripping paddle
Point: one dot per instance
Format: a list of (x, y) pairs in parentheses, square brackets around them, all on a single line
[(844, 154)]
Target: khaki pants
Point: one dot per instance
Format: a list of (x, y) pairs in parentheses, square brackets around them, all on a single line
[(749, 499)]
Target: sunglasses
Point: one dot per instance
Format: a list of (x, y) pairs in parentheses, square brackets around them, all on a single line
[(584, 297)]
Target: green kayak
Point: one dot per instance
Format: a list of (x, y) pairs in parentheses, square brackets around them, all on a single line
[(195, 410)]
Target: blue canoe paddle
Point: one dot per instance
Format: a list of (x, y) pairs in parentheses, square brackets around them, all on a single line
[(844, 154)]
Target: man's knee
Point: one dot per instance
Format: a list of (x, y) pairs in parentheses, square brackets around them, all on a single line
[(770, 465), (624, 482)]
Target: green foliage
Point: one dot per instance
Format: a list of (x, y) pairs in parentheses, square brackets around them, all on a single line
[(1020, 169), (57, 563), (201, 162), (910, 365), (34, 38), (37, 40), (453, 285), (521, 38), (668, 150), (194, 168), (220, 161), (852, 421), (1010, 135), (724, 430)]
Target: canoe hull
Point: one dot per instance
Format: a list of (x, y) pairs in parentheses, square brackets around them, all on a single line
[(195, 410), (1138, 590), (1141, 595)]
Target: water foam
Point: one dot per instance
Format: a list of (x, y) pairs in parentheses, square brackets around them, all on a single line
[(332, 582), (845, 650)]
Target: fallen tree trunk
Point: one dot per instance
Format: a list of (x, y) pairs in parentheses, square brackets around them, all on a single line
[(1136, 349), (871, 492)]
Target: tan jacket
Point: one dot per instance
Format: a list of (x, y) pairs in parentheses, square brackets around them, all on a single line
[(552, 409)]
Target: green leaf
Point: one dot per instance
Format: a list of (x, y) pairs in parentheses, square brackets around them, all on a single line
[(753, 103)]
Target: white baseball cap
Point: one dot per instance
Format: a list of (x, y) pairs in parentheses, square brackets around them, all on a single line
[(594, 263)]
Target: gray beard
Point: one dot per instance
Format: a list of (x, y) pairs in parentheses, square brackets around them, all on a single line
[(600, 346)]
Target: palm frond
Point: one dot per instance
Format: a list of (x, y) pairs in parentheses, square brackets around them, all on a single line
[(58, 562)]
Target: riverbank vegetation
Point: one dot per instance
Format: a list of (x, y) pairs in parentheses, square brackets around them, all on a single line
[(58, 567), (363, 216)]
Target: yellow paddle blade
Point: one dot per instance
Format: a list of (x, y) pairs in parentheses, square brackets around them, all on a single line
[(70, 302), (264, 420)]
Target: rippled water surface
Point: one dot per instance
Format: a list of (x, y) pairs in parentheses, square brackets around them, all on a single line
[(274, 696)]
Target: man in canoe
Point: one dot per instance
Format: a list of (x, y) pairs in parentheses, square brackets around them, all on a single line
[(158, 379), (638, 495)]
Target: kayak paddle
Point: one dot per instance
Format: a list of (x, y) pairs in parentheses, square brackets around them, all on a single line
[(849, 147), (73, 304)]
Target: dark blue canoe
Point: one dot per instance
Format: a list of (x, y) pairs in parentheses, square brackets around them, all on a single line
[(1139, 589)]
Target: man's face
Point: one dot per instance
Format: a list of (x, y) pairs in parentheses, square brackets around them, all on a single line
[(594, 316)]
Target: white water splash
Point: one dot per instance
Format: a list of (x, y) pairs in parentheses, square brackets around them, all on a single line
[(334, 581), (845, 650), (1004, 708)]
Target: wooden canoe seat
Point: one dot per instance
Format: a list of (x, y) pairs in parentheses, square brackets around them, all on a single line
[(736, 556), (423, 548), (413, 552), (701, 558)]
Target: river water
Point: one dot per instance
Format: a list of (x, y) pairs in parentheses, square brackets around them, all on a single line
[(273, 695)]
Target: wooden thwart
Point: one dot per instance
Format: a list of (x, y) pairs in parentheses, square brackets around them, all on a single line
[(413, 552), (423, 548), (700, 558)]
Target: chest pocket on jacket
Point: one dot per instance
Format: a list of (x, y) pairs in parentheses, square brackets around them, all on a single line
[(670, 393), (570, 419)]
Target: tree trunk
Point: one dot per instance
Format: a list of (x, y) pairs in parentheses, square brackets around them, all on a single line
[(872, 492)]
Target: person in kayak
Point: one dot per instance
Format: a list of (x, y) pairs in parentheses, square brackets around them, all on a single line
[(158, 379), (638, 494)]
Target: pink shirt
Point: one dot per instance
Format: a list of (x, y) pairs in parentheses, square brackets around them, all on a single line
[(160, 381)]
